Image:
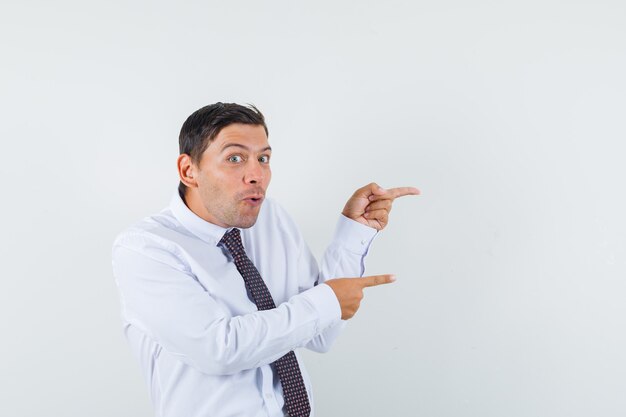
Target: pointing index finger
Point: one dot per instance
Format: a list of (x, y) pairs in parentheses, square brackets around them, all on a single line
[(402, 191), (374, 280), (393, 193)]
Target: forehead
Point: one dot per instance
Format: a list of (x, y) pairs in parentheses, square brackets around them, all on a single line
[(251, 136)]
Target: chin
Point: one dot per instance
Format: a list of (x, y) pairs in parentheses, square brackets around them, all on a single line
[(246, 223)]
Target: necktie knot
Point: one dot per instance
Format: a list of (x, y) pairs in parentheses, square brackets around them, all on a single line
[(232, 241)]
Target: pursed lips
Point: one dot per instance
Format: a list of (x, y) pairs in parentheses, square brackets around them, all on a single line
[(254, 199)]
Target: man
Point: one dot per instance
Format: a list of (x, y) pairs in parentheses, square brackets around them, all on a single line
[(219, 289)]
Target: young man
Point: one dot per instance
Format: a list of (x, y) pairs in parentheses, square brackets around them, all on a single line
[(219, 289)]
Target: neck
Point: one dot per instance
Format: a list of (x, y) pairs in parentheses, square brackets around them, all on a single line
[(194, 203)]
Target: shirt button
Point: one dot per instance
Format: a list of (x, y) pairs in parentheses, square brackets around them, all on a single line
[(363, 242)]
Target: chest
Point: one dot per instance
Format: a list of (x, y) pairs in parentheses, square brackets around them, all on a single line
[(275, 260)]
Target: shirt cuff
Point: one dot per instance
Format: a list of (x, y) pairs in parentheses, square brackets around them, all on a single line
[(323, 298), (354, 236)]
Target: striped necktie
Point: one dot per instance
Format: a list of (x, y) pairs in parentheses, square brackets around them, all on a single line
[(296, 399)]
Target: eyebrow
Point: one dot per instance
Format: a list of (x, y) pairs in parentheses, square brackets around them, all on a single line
[(267, 148)]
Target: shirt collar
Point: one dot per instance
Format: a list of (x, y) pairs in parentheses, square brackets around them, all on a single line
[(208, 232)]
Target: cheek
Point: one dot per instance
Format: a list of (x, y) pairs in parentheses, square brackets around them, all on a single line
[(217, 177), (213, 184)]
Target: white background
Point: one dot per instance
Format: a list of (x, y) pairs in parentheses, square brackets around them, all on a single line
[(509, 116)]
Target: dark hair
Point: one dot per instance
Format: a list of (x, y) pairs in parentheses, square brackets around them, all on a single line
[(206, 123)]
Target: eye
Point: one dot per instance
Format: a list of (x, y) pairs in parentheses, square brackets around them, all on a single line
[(235, 159), (264, 159)]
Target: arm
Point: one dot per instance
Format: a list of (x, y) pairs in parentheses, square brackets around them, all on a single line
[(344, 257), (365, 213), (164, 300)]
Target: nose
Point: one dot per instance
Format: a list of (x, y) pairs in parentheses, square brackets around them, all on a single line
[(254, 173)]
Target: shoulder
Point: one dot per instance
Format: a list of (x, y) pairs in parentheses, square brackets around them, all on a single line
[(155, 236), (275, 221), (272, 209), (276, 215)]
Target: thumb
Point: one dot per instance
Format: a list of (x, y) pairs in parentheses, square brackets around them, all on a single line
[(374, 280), (369, 189)]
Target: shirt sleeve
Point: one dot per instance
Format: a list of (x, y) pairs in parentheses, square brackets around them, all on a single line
[(162, 298), (344, 257)]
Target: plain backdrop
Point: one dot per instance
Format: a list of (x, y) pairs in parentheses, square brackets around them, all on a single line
[(508, 115)]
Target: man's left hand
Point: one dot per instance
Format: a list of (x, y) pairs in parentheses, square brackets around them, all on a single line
[(371, 204)]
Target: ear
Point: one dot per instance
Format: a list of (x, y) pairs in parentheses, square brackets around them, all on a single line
[(186, 170)]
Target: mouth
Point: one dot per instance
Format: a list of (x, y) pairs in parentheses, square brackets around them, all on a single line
[(254, 199)]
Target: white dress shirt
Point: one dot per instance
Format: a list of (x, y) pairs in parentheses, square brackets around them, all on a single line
[(204, 348)]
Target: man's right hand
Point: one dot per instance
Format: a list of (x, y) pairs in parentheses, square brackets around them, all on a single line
[(349, 291)]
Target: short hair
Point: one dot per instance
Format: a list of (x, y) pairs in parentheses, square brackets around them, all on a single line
[(203, 125)]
